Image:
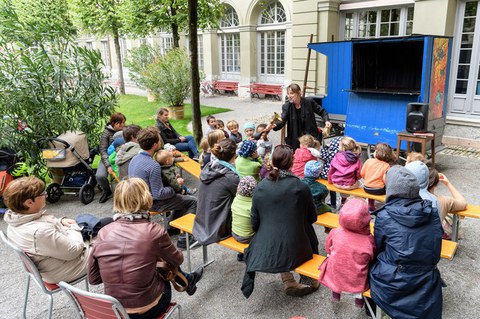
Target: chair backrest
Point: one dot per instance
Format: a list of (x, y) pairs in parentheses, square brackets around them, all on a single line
[(29, 266), (92, 305)]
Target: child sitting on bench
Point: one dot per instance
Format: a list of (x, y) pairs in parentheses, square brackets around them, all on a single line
[(345, 168), (242, 229), (350, 250), (374, 170), (170, 175)]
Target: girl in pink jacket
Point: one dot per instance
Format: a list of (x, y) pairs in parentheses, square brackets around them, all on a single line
[(350, 249), (306, 152), (346, 166)]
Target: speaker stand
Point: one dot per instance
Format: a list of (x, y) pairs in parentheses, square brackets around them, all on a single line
[(422, 139)]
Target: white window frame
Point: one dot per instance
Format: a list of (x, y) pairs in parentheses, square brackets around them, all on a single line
[(226, 52), (106, 53), (262, 30), (356, 22)]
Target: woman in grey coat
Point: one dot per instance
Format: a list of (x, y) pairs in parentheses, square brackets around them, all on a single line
[(218, 186)]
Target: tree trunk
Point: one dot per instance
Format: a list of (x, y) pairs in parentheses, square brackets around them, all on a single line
[(116, 41), (175, 34), (195, 76)]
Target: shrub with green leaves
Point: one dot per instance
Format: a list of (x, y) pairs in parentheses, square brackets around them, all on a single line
[(50, 83), (139, 63), (174, 77)]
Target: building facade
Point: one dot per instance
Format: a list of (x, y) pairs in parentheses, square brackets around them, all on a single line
[(266, 41)]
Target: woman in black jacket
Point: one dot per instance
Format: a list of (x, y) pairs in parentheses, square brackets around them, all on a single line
[(299, 113), (171, 136), (282, 216), (116, 123)]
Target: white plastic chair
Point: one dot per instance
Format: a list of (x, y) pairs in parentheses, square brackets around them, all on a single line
[(99, 306), (33, 273)]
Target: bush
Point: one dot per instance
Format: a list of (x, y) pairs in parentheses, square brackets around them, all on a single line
[(140, 62), (174, 77), (51, 84)]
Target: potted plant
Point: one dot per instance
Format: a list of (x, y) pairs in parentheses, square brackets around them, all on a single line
[(141, 63), (174, 80)]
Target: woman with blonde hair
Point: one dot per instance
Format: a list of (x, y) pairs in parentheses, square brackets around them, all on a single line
[(125, 255)]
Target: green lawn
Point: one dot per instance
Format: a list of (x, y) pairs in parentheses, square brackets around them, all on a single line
[(139, 111)]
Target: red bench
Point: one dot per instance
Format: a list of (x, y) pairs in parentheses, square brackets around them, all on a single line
[(274, 90), (226, 86)]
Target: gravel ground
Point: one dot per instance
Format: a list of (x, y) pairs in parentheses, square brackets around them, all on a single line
[(219, 295)]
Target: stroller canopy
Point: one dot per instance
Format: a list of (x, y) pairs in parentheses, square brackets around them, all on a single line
[(78, 140)]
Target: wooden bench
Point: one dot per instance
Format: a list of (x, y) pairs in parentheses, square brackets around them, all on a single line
[(310, 269), (188, 165), (358, 192), (330, 220), (226, 86), (472, 211), (274, 90), (185, 224)]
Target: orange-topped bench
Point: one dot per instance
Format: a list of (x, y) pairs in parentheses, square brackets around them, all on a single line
[(310, 269), (188, 165), (226, 86), (358, 192), (274, 90), (330, 220)]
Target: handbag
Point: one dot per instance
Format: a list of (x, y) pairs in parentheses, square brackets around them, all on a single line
[(171, 273)]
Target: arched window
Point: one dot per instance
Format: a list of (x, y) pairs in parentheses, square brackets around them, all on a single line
[(229, 39), (273, 13), (271, 43)]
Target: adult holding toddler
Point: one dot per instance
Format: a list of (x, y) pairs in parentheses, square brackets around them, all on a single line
[(144, 166), (171, 136), (299, 113), (282, 215), (218, 185), (405, 281)]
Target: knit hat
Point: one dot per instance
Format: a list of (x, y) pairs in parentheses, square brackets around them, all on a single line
[(246, 186), (312, 169), (400, 182), (247, 148), (249, 125)]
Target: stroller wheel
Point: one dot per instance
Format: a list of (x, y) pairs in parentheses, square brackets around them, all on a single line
[(87, 193), (54, 192)]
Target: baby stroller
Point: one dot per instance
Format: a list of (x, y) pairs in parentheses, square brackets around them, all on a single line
[(69, 152)]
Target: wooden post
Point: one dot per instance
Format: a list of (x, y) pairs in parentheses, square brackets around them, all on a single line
[(305, 79)]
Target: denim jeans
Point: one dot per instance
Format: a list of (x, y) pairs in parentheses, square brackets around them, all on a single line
[(189, 145)]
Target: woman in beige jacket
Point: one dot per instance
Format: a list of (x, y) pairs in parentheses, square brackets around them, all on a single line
[(54, 244)]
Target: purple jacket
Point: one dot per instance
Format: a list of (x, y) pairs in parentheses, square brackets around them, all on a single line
[(345, 169)]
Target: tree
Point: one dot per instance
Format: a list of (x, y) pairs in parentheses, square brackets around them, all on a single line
[(143, 17), (195, 75), (102, 17), (49, 83)]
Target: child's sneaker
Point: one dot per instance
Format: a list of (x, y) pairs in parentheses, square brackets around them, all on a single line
[(359, 302), (335, 296), (191, 191)]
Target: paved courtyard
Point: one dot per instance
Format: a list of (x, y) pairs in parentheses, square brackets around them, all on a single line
[(219, 295)]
